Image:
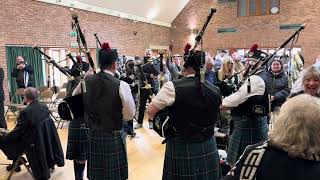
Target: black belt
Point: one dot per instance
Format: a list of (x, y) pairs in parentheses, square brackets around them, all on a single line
[(200, 136)]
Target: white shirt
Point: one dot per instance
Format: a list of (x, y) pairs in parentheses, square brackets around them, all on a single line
[(237, 98), (128, 105), (166, 96)]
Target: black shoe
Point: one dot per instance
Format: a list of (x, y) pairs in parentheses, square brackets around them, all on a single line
[(10, 167)]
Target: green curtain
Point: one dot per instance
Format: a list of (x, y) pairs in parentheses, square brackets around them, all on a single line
[(31, 57)]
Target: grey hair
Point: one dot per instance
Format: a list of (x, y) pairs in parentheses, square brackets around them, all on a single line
[(31, 93), (296, 128)]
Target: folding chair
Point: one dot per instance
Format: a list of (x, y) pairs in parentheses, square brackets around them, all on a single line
[(55, 88), (46, 97), (54, 108), (64, 86), (59, 97), (20, 160), (42, 88), (11, 105)]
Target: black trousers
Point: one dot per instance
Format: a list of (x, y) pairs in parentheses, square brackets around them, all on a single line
[(13, 149), (3, 123), (144, 95)]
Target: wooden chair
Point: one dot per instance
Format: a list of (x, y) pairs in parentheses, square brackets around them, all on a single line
[(46, 97), (64, 86), (59, 97), (55, 88), (54, 108), (11, 105), (42, 88)]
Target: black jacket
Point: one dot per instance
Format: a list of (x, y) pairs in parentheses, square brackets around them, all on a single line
[(273, 164), (42, 144), (277, 86), (28, 68)]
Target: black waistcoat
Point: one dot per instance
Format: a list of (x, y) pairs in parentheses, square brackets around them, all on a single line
[(254, 106), (192, 111), (104, 105)]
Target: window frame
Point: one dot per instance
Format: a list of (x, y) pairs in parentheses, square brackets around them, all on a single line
[(258, 8)]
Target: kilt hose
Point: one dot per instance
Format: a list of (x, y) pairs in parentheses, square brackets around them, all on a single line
[(191, 160), (247, 131), (78, 144), (107, 156)]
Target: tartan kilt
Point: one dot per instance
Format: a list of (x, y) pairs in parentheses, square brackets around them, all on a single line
[(107, 156), (78, 144), (247, 131), (191, 160)]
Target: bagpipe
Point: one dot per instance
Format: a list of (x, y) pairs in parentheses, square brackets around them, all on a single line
[(262, 107), (49, 61), (74, 106), (161, 121), (263, 58)]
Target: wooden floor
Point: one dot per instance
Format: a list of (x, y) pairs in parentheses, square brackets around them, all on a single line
[(145, 157)]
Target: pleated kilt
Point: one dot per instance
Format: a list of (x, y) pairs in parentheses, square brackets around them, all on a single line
[(247, 131), (78, 144), (191, 160), (107, 156)]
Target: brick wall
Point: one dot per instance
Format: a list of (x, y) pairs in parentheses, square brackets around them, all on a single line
[(4, 66), (29, 22), (263, 30)]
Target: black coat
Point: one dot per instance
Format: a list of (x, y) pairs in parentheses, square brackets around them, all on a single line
[(36, 130), (277, 86), (266, 162)]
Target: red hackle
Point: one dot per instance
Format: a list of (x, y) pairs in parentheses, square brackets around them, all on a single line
[(106, 47), (187, 48)]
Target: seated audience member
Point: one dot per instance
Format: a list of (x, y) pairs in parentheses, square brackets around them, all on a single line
[(308, 83), (293, 149), (35, 135)]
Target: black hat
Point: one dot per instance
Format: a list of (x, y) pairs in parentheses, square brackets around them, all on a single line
[(195, 60), (107, 56)]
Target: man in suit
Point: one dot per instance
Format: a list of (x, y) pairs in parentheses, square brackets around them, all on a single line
[(23, 73), (3, 123), (14, 142)]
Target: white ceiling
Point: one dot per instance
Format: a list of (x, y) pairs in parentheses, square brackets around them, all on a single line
[(160, 12)]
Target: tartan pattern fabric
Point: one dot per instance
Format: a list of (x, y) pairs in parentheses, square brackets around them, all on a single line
[(191, 160), (78, 144), (247, 131), (107, 156)]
